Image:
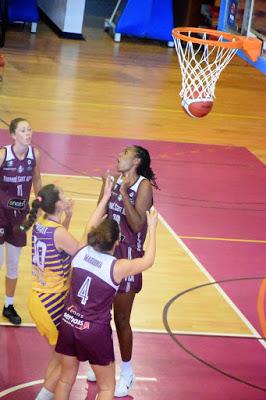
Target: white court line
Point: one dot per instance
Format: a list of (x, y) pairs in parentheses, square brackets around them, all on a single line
[(211, 279), (80, 377), (195, 333), (161, 331)]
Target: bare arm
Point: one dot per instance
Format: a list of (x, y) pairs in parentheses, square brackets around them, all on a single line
[(100, 211), (3, 196), (124, 267), (65, 241), (36, 177), (68, 210), (136, 215), (103, 184), (2, 156)]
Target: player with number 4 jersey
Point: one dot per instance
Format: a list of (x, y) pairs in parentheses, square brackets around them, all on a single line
[(85, 333)]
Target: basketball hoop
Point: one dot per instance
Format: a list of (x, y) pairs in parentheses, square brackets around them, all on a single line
[(203, 54)]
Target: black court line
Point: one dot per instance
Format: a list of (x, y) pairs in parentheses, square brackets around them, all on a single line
[(201, 360)]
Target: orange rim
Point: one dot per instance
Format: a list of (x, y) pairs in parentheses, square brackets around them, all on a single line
[(251, 46)]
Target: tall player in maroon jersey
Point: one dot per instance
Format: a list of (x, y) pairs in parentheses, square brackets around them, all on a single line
[(85, 332), (130, 199), (19, 170)]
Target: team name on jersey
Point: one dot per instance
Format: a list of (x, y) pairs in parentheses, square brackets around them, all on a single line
[(93, 261), (115, 207), (17, 179)]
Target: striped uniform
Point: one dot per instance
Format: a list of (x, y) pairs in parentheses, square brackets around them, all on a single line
[(50, 276), (131, 243), (15, 183), (85, 330)]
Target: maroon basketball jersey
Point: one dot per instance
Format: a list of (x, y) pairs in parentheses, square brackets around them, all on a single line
[(116, 211), (92, 288), (16, 175)]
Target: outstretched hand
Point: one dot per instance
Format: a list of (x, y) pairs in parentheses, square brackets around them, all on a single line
[(108, 186), (152, 218), (125, 184), (68, 208)]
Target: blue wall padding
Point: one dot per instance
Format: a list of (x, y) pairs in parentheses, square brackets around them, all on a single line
[(23, 10), (151, 19)]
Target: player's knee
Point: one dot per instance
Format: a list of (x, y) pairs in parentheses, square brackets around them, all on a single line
[(121, 320), (12, 270), (12, 260)]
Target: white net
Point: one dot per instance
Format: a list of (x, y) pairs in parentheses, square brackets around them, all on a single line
[(201, 66)]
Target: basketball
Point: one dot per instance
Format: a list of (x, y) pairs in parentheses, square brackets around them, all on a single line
[(197, 103), (197, 108)]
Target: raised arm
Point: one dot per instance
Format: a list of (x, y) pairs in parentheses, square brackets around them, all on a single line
[(65, 241), (100, 211), (124, 267), (136, 215)]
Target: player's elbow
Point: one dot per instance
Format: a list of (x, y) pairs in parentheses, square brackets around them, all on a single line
[(136, 227)]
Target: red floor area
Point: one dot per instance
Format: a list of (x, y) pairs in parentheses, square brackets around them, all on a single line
[(164, 370)]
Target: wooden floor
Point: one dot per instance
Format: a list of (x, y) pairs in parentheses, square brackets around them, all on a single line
[(127, 90)]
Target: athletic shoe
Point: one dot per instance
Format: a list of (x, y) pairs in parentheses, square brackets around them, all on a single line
[(11, 314), (124, 384), (91, 376)]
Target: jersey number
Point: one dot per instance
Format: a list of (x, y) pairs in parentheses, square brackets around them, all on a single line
[(39, 252), (116, 217), (19, 191), (83, 292)]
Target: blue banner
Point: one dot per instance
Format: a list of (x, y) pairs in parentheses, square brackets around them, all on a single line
[(151, 19)]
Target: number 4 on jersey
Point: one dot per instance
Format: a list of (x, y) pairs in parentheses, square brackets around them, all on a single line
[(83, 292)]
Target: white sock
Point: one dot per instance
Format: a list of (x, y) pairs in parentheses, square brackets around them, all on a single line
[(9, 301), (44, 394), (126, 367)]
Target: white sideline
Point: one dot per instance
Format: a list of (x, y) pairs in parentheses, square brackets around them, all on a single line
[(211, 279)]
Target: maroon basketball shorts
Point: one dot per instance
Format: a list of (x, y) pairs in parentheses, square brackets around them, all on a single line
[(9, 219), (93, 343), (132, 282)]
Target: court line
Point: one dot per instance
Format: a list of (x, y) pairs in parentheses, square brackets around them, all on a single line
[(211, 279), (222, 239), (13, 389), (159, 331)]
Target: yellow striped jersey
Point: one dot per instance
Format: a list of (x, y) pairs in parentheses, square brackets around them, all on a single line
[(50, 267)]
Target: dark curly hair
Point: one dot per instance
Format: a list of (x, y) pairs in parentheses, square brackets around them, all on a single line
[(144, 168)]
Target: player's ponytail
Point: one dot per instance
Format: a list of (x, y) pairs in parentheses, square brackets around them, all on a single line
[(103, 237), (46, 201), (144, 168)]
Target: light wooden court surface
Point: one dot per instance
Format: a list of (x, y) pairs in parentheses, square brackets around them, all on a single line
[(96, 87)]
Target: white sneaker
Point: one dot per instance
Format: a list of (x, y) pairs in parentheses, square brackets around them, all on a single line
[(91, 376), (124, 384)]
